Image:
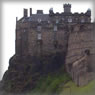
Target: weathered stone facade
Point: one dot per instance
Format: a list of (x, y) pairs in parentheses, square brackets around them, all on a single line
[(42, 34), (81, 53)]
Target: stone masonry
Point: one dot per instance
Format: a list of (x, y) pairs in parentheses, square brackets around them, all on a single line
[(73, 33)]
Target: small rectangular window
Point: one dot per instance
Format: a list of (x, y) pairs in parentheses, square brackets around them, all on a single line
[(38, 28), (82, 20), (39, 36), (55, 28), (69, 20)]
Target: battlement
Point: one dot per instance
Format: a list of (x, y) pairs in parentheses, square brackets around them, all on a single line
[(67, 5), (64, 17)]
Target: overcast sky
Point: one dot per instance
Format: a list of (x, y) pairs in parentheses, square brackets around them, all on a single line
[(12, 10)]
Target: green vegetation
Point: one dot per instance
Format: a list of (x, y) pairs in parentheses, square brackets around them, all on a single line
[(61, 84), (51, 83), (71, 89)]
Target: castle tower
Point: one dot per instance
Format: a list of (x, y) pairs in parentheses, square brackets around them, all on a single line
[(67, 8), (89, 12)]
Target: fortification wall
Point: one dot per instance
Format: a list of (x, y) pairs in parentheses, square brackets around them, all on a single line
[(80, 39)]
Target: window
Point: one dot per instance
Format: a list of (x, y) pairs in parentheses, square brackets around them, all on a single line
[(39, 20), (69, 19), (39, 36), (38, 28), (82, 20), (57, 21), (55, 28)]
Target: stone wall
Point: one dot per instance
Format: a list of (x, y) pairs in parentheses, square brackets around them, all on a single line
[(79, 41), (80, 64), (27, 39)]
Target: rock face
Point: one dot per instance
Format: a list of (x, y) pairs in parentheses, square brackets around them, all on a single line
[(24, 71)]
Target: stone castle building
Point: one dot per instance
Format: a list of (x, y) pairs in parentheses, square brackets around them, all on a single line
[(73, 33)]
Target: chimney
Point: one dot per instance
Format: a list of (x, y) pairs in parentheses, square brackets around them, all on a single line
[(30, 11), (39, 11), (25, 13)]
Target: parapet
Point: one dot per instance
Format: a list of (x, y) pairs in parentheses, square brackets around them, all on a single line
[(67, 5)]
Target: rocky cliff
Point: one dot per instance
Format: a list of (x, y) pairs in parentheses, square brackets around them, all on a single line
[(24, 71)]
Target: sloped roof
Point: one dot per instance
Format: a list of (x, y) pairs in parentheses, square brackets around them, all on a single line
[(36, 17), (42, 17)]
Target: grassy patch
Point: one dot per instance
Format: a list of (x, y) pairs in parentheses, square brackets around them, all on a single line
[(51, 83), (58, 84), (71, 89)]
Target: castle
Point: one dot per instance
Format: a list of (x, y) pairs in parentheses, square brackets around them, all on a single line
[(41, 34)]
